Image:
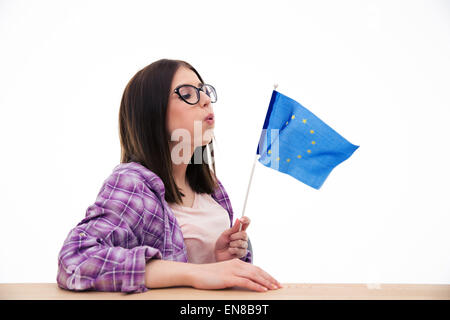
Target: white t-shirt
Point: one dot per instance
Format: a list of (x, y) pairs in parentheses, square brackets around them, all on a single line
[(201, 225)]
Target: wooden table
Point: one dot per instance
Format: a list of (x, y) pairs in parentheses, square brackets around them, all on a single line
[(290, 291)]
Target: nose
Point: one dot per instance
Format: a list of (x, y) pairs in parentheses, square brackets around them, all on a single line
[(205, 100)]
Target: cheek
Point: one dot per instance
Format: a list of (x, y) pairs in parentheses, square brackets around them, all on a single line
[(179, 120)]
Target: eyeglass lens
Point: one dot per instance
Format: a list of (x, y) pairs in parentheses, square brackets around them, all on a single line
[(191, 95)]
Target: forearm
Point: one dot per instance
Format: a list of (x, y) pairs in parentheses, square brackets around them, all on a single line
[(165, 273)]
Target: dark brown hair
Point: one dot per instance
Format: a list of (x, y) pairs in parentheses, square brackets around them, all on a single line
[(143, 134)]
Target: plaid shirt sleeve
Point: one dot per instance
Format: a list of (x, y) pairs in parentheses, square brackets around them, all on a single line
[(104, 252)]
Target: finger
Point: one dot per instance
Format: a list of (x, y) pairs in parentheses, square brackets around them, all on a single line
[(239, 244), (247, 283), (233, 229), (245, 219), (245, 223), (241, 235), (270, 278), (259, 275), (256, 274), (238, 252)]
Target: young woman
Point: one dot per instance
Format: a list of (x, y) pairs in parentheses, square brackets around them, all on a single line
[(162, 218)]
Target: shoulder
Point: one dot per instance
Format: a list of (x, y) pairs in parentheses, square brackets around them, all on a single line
[(136, 172), (129, 183), (124, 180)]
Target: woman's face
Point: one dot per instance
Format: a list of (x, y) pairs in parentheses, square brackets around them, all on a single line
[(186, 122)]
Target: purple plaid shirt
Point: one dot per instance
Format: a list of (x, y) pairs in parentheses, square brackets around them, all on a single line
[(129, 224)]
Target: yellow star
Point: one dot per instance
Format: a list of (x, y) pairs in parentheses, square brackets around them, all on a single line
[(312, 131), (304, 120), (278, 158), (269, 152), (309, 151), (313, 142), (287, 122), (299, 156), (293, 117), (288, 159)]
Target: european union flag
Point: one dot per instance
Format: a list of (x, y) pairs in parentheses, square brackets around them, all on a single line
[(296, 142)]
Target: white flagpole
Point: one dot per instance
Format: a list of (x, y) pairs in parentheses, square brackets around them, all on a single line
[(251, 177), (248, 188)]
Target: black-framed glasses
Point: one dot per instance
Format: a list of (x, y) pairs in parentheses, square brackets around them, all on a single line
[(191, 94)]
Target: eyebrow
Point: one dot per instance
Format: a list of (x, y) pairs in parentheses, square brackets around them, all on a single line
[(199, 84)]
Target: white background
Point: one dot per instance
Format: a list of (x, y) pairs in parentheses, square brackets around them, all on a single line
[(378, 72)]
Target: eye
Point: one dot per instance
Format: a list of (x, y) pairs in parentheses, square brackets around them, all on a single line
[(186, 96)]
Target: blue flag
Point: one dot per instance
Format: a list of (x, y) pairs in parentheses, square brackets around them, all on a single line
[(296, 142)]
